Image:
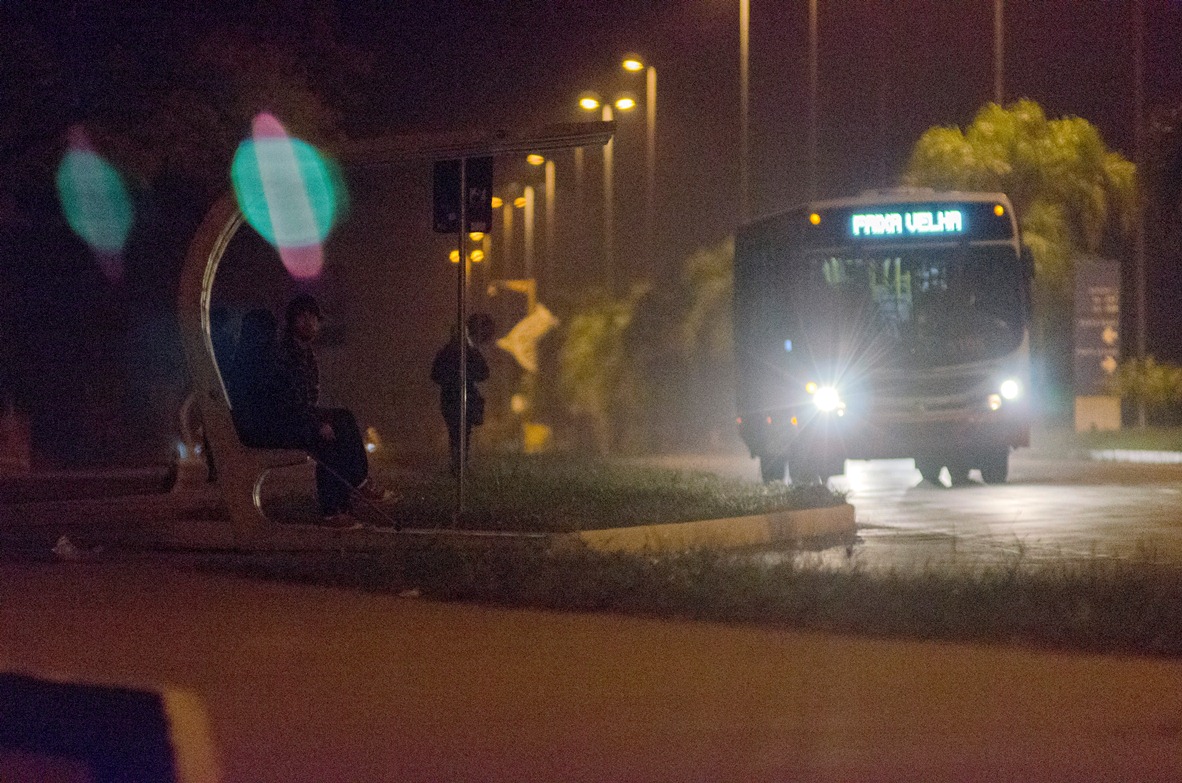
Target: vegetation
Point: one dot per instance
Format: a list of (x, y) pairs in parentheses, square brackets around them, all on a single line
[(556, 494), (1146, 382), (598, 377), (1071, 194), (1096, 605)]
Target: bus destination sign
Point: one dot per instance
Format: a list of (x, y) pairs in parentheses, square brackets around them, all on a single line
[(907, 224)]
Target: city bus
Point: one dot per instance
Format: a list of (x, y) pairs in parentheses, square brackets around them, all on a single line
[(894, 324)]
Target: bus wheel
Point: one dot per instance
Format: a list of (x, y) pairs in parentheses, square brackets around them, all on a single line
[(958, 472), (771, 468), (995, 466), (929, 468)]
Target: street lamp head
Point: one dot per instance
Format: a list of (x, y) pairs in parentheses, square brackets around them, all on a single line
[(497, 202), (589, 101), (633, 63), (625, 103), (535, 159), (519, 202)]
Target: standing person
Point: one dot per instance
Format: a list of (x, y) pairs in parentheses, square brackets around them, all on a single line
[(331, 435), (445, 371)]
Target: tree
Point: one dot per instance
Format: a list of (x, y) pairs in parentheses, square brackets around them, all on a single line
[(706, 338), (1071, 194), (597, 375)]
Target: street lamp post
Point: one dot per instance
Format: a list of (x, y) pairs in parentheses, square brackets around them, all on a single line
[(609, 257), (589, 103), (998, 51), (634, 64), (813, 108), (744, 60)]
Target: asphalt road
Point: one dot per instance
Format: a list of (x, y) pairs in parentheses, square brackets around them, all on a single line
[(1051, 508), (300, 683)]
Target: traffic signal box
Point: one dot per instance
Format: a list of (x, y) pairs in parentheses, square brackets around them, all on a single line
[(479, 182)]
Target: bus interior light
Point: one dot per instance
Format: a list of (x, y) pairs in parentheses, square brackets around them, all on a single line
[(1010, 389), (994, 402)]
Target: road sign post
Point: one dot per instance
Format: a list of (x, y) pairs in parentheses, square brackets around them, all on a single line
[(1097, 344)]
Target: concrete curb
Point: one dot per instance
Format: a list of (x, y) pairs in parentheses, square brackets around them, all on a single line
[(731, 532), (1138, 456)]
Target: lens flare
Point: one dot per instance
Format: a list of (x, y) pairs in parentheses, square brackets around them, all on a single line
[(95, 202), (288, 192)]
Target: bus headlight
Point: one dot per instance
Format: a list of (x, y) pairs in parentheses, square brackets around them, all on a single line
[(827, 399), (1010, 389)]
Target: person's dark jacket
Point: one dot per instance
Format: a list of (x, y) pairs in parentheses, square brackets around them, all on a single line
[(445, 371), (267, 401)]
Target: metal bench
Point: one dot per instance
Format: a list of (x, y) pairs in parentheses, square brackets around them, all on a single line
[(241, 470)]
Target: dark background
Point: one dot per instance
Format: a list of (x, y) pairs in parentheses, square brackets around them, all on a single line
[(71, 340)]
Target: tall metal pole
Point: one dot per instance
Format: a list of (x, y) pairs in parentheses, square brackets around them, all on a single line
[(998, 52), (461, 331), (650, 159), (813, 109), (548, 267), (1139, 137), (507, 238), (529, 231), (609, 259), (744, 176)]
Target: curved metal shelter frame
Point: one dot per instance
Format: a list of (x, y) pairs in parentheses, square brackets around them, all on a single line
[(241, 470)]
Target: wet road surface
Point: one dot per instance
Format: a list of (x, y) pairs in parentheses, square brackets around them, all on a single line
[(1051, 508)]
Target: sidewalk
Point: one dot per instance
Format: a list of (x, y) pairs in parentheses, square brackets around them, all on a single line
[(314, 684)]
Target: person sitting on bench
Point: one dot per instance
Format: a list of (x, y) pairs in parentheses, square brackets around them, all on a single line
[(274, 388)]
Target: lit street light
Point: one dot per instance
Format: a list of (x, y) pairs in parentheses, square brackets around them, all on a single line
[(548, 189), (635, 64), (590, 102)]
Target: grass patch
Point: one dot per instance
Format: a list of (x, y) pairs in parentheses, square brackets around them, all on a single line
[(563, 494), (1135, 439), (1096, 605)]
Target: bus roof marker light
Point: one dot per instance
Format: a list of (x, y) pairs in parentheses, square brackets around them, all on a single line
[(815, 219), (999, 210)]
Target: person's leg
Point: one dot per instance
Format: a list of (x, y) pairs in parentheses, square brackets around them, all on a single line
[(350, 446), (341, 463), (453, 443)]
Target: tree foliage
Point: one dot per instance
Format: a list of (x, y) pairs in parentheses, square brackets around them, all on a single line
[(596, 375), (707, 332), (1070, 192), (1146, 382)]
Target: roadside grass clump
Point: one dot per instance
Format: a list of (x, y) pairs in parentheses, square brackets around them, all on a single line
[(1095, 605), (562, 494)]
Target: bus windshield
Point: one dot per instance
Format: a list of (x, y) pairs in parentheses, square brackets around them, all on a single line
[(919, 306)]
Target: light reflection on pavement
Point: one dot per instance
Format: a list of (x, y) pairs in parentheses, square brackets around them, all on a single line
[(1051, 509)]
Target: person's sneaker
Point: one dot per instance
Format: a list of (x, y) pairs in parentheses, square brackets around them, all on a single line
[(342, 520), (370, 490), (388, 523)]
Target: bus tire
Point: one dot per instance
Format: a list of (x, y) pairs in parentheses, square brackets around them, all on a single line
[(995, 466), (772, 468), (929, 468), (958, 472)]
